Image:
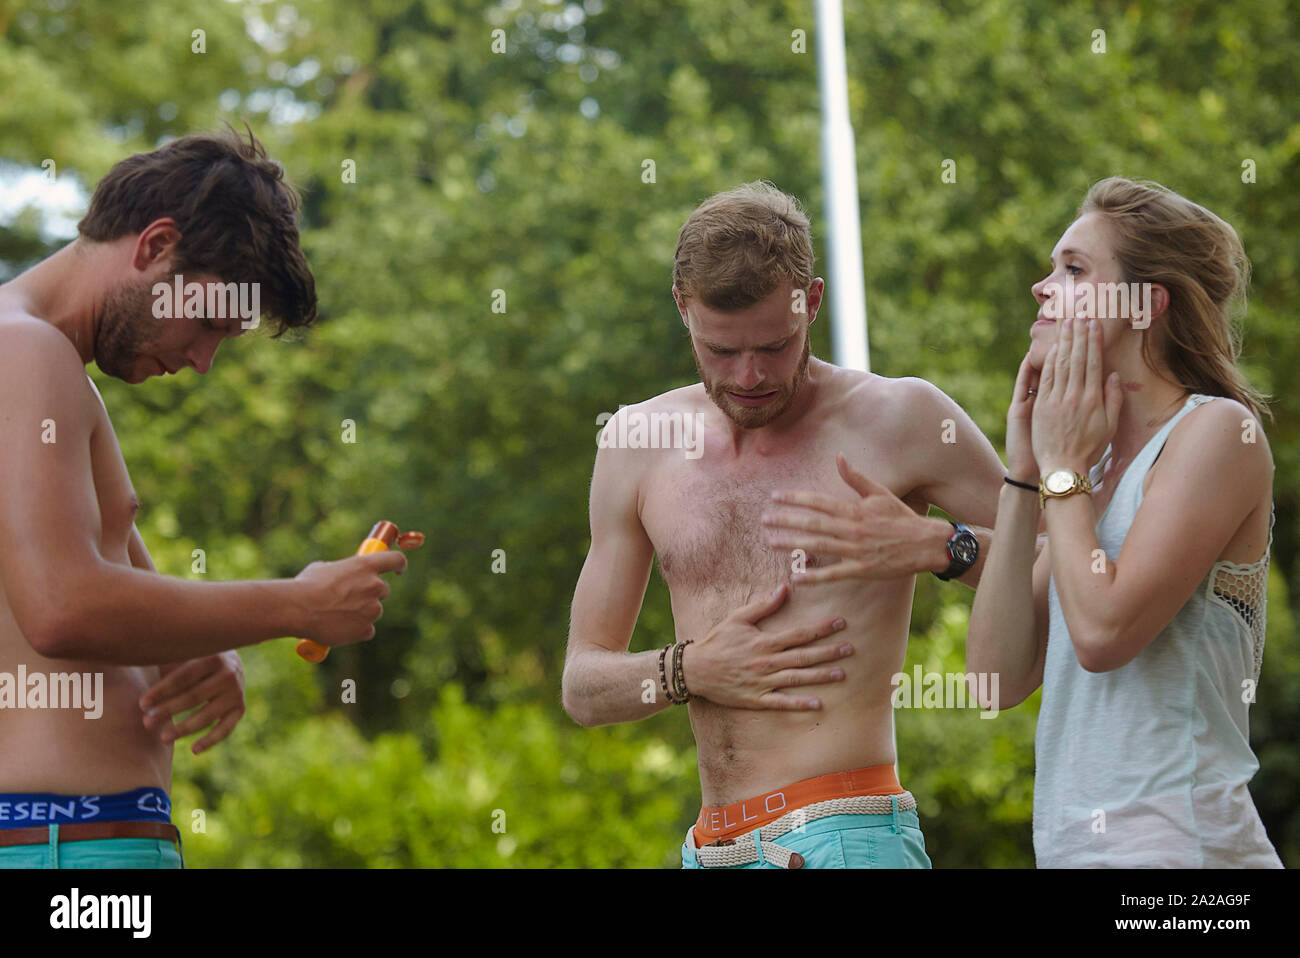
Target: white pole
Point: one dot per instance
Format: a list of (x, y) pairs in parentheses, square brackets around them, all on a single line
[(848, 299)]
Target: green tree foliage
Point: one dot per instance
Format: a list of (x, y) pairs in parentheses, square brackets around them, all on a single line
[(442, 178)]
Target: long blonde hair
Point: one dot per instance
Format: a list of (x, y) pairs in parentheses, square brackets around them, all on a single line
[(1161, 237)]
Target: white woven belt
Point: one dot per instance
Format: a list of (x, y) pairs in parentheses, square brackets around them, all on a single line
[(744, 851)]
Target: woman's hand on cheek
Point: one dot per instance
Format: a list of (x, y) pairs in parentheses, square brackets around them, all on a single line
[(1020, 452), (1075, 413)]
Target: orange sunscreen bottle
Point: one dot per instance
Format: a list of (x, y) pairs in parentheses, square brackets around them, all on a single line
[(381, 538)]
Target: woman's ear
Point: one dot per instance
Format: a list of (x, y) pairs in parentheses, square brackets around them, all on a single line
[(1159, 300), (1150, 301)]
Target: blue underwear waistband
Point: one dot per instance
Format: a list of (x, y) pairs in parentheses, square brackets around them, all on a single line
[(26, 809)]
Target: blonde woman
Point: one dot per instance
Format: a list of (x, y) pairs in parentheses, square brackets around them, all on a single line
[(1135, 438)]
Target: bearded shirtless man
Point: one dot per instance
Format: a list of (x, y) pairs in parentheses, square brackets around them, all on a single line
[(793, 720), (86, 786)]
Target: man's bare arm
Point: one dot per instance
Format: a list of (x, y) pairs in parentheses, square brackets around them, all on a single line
[(211, 685), (140, 559), (961, 473), (604, 683), (69, 602)]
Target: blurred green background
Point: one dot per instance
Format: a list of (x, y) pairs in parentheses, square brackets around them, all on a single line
[(523, 171)]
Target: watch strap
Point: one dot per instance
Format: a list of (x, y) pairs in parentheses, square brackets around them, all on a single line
[(956, 566)]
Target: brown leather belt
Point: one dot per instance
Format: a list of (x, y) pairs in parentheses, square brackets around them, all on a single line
[(87, 832)]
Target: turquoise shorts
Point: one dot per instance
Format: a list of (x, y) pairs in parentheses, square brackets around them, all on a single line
[(100, 853), (845, 841)]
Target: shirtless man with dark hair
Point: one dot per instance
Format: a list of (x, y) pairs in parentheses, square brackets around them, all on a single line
[(97, 651), (789, 684)]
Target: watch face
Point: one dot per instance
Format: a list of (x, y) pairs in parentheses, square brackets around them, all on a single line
[(1062, 480), (966, 548)]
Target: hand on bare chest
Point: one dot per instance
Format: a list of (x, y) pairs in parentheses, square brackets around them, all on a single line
[(704, 520)]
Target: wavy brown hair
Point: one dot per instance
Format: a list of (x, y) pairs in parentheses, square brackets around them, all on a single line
[(236, 215), (739, 245), (1161, 237)]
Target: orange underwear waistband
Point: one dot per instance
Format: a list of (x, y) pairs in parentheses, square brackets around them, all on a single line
[(723, 822)]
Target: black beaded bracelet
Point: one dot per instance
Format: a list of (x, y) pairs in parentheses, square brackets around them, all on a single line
[(1020, 485)]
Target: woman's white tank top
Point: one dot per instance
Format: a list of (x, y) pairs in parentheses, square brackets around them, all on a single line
[(1147, 765)]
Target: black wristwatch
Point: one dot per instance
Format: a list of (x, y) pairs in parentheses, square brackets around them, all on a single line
[(963, 550)]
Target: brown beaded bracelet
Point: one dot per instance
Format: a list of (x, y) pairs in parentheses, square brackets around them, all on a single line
[(663, 675), (683, 694)]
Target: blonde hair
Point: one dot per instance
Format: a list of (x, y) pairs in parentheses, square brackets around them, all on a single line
[(1161, 237), (739, 245)]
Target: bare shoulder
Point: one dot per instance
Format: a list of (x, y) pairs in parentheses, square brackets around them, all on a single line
[(652, 423), (684, 399), (1223, 435), (895, 406), (639, 435), (34, 355)]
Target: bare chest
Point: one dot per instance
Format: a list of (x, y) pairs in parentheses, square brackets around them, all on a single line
[(114, 494), (705, 521)]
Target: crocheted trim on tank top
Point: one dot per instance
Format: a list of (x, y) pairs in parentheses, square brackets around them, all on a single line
[(1240, 587), (1243, 588)]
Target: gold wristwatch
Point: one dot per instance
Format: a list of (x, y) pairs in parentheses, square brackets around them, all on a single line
[(1061, 483)]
